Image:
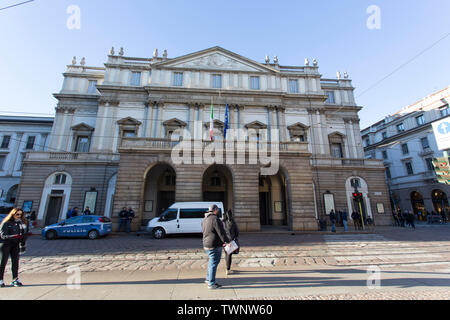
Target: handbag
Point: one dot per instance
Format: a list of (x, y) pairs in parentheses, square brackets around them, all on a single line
[(231, 247)]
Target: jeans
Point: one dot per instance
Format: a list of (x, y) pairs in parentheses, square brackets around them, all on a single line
[(333, 227), (345, 225), (7, 250), (126, 225), (214, 260)]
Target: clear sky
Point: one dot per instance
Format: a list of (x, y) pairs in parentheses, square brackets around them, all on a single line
[(36, 44)]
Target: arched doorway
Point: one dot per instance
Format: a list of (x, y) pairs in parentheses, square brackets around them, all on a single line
[(273, 200), (440, 200), (418, 205), (217, 185), (159, 191), (55, 198), (363, 188), (12, 194)]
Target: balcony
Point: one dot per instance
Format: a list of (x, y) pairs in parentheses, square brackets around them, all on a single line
[(71, 157), (335, 162), (426, 152), (168, 145)]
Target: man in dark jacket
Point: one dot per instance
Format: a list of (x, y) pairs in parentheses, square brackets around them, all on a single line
[(123, 215), (333, 220), (214, 237)]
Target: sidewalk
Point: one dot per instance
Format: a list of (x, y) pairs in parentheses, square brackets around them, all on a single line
[(250, 283)]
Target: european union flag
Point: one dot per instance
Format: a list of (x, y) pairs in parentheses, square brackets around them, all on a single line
[(226, 121)]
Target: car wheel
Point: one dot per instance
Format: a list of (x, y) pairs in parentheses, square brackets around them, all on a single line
[(158, 233), (93, 234), (50, 235)]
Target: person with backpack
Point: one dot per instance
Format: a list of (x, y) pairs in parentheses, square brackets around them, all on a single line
[(232, 231), (72, 213)]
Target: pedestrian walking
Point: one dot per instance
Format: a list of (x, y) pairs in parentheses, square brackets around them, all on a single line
[(395, 217), (130, 216), (232, 231), (344, 219), (214, 238), (13, 236), (444, 217), (123, 222), (401, 218), (411, 220), (333, 220), (87, 211), (356, 220)]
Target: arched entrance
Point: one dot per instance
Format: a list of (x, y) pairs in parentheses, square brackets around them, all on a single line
[(354, 205), (440, 200), (12, 194), (159, 191), (55, 198), (217, 185), (272, 200), (418, 205)]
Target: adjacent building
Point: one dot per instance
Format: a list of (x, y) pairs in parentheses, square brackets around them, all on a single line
[(116, 128), (406, 144), (19, 135)]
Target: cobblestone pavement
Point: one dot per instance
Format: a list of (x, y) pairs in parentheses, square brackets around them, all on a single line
[(427, 247)]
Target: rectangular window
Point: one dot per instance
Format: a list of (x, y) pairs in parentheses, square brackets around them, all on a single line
[(30, 142), (409, 168), (384, 135), (2, 162), (254, 83), (444, 111), (429, 162), (425, 144), (405, 149), (400, 127), (217, 81), (192, 213), (388, 173), (178, 79), (330, 98), (367, 142), (5, 142), (82, 144), (384, 154), (135, 78), (129, 134), (420, 120), (293, 86), (336, 149), (92, 87)]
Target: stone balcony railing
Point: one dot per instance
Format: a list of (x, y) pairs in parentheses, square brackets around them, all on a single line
[(71, 156), (168, 144), (343, 162)]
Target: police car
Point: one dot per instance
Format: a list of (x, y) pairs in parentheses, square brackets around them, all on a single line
[(92, 227)]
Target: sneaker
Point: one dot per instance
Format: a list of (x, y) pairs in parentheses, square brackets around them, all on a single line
[(214, 286), (16, 283), (207, 282), (2, 284)]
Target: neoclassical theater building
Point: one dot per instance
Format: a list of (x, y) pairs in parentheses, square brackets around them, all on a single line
[(116, 127)]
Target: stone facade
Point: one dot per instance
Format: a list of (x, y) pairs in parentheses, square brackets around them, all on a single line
[(122, 122)]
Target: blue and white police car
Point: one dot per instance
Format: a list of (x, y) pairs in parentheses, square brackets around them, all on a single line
[(92, 227)]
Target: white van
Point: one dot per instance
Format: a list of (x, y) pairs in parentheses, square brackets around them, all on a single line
[(181, 217)]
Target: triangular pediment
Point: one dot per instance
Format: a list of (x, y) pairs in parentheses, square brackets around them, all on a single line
[(256, 125), (174, 122), (82, 127), (298, 126), (216, 58), (128, 121), (216, 123), (336, 134)]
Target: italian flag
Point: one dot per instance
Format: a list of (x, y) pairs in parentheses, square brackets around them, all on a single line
[(211, 124)]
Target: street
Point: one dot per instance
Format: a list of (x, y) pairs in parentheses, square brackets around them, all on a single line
[(413, 264)]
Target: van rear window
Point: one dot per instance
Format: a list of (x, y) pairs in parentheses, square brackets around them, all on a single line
[(192, 213)]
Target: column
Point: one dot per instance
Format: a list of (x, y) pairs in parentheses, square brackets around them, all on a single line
[(347, 133), (15, 153), (320, 133), (60, 133), (282, 123), (352, 135), (191, 119), (99, 135), (160, 120), (241, 121)]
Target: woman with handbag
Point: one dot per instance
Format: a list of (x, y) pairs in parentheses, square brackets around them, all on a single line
[(232, 231), (13, 234)]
